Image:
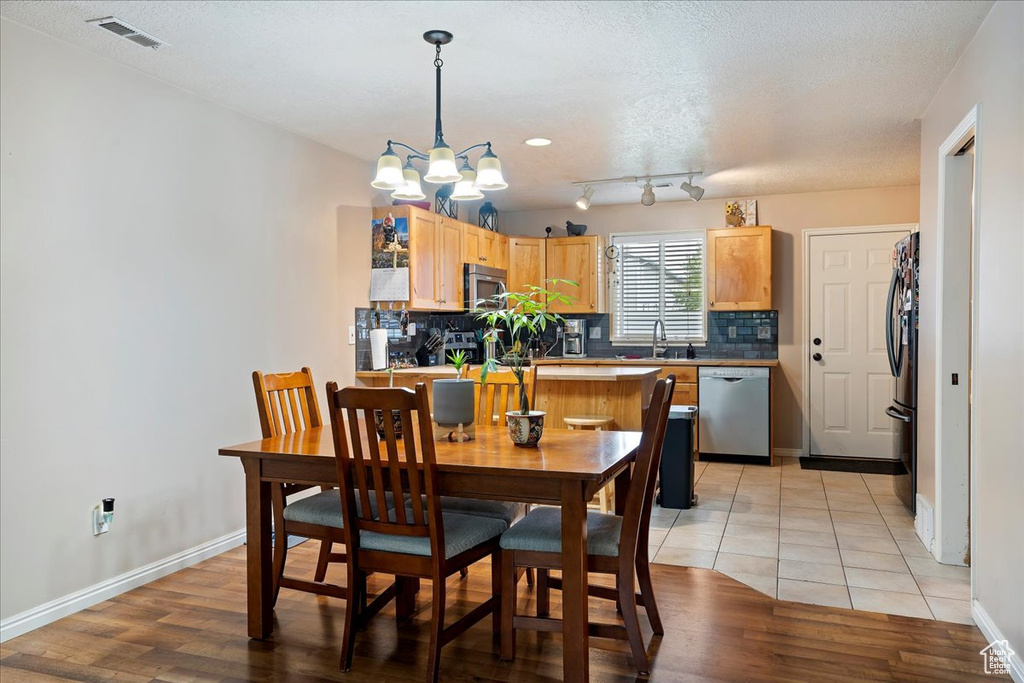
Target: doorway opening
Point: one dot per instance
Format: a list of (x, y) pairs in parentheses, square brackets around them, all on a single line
[(955, 323)]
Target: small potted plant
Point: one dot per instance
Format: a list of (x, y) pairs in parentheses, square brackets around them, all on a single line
[(453, 398), (520, 314)]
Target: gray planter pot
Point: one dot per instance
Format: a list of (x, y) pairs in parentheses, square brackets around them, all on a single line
[(453, 402)]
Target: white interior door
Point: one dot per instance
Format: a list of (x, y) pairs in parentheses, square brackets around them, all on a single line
[(850, 381)]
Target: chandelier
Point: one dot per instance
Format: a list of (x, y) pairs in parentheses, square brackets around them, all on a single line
[(441, 160)]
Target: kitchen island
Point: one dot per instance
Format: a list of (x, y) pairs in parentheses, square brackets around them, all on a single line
[(622, 393)]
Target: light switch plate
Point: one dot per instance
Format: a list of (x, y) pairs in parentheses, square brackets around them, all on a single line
[(595, 332), (411, 330), (732, 331), (764, 332), (351, 335)]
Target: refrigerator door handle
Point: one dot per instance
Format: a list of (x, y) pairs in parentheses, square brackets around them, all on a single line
[(890, 342), (896, 414)]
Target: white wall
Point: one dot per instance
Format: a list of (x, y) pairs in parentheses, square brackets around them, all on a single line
[(990, 74), (789, 215), (156, 249)]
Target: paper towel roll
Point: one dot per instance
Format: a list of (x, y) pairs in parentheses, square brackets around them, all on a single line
[(379, 349)]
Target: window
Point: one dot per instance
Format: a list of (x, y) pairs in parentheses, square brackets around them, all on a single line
[(658, 275)]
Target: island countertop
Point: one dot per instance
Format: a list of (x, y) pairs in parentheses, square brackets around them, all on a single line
[(585, 373)]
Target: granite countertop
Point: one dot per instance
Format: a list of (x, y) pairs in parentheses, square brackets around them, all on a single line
[(546, 365), (584, 372)]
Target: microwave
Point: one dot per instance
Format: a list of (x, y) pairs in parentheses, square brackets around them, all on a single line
[(483, 282)]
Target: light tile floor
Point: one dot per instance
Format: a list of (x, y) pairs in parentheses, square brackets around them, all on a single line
[(827, 538)]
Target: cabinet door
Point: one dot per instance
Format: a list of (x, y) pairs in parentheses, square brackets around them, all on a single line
[(423, 252), (525, 263), (499, 251), (580, 259), (449, 266), (740, 269), (471, 244)]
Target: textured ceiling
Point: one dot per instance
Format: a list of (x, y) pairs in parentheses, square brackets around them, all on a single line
[(765, 97)]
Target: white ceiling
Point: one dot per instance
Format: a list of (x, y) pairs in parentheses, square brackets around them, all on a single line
[(764, 97)]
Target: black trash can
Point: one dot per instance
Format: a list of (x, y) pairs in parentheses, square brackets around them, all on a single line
[(677, 467)]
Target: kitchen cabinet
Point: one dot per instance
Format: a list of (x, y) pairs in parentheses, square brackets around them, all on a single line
[(739, 269), (450, 285), (435, 259), (484, 247), (526, 261), (580, 259)]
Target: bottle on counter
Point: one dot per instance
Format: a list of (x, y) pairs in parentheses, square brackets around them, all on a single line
[(691, 353)]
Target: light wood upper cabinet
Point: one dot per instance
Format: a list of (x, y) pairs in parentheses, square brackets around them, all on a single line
[(580, 259), (435, 259), (739, 269), (484, 247), (525, 263), (450, 286)]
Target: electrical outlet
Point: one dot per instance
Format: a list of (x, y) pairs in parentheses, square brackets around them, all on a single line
[(764, 332), (732, 332), (595, 332), (351, 335)]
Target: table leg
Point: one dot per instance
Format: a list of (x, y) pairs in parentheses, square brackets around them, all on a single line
[(575, 617), (622, 480), (259, 579)]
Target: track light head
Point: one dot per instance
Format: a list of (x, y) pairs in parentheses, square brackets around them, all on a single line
[(647, 198), (695, 191), (584, 201)]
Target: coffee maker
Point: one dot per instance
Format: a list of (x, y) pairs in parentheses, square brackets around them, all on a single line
[(575, 339)]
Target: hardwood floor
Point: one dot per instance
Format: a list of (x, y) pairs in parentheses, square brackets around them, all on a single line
[(191, 626)]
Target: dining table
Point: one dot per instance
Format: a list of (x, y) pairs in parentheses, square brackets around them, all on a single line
[(566, 469)]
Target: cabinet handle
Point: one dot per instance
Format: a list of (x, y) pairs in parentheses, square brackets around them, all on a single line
[(483, 258)]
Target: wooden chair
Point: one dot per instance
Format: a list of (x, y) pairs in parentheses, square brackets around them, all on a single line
[(287, 403), (500, 394), (615, 545), (414, 541)]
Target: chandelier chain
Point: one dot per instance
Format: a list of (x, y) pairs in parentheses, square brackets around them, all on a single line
[(437, 59)]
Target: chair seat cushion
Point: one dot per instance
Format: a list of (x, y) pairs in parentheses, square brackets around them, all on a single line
[(541, 531), (461, 533), (324, 508), (506, 511)]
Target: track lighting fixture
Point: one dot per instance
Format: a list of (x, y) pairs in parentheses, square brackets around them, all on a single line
[(584, 201), (695, 191), (647, 198)]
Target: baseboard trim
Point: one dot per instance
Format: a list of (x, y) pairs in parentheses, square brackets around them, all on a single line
[(32, 619), (992, 634), (788, 453)]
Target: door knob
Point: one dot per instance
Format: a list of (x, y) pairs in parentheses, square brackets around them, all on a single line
[(817, 341), (816, 356)]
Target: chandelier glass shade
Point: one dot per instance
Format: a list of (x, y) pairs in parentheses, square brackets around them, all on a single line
[(442, 161)]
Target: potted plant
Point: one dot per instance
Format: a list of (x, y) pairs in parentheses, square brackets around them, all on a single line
[(520, 314), (453, 398)]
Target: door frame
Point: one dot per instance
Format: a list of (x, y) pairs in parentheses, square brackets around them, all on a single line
[(954, 503), (808, 233)]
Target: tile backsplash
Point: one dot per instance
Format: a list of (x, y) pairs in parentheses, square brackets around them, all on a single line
[(734, 334)]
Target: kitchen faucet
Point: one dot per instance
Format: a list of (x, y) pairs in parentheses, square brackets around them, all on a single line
[(658, 346)]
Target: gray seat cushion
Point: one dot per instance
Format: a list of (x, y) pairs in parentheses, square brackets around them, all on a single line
[(461, 533), (541, 531), (506, 511), (325, 508)]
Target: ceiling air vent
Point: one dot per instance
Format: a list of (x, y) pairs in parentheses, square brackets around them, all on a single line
[(126, 30)]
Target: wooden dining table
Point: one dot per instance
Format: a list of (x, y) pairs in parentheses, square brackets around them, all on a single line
[(566, 469)]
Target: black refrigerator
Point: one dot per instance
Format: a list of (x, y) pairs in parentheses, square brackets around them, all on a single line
[(901, 340)]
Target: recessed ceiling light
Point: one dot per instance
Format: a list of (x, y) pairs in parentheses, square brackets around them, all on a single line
[(537, 142)]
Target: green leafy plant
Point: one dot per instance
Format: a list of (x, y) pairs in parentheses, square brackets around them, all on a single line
[(458, 361), (520, 314)]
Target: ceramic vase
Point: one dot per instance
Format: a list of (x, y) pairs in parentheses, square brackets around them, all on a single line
[(525, 430)]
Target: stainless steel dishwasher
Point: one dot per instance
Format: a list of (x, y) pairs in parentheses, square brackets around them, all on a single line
[(734, 409)]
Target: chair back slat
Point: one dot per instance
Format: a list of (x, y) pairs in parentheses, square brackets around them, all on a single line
[(645, 471), (403, 468), (286, 402), (500, 394)]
